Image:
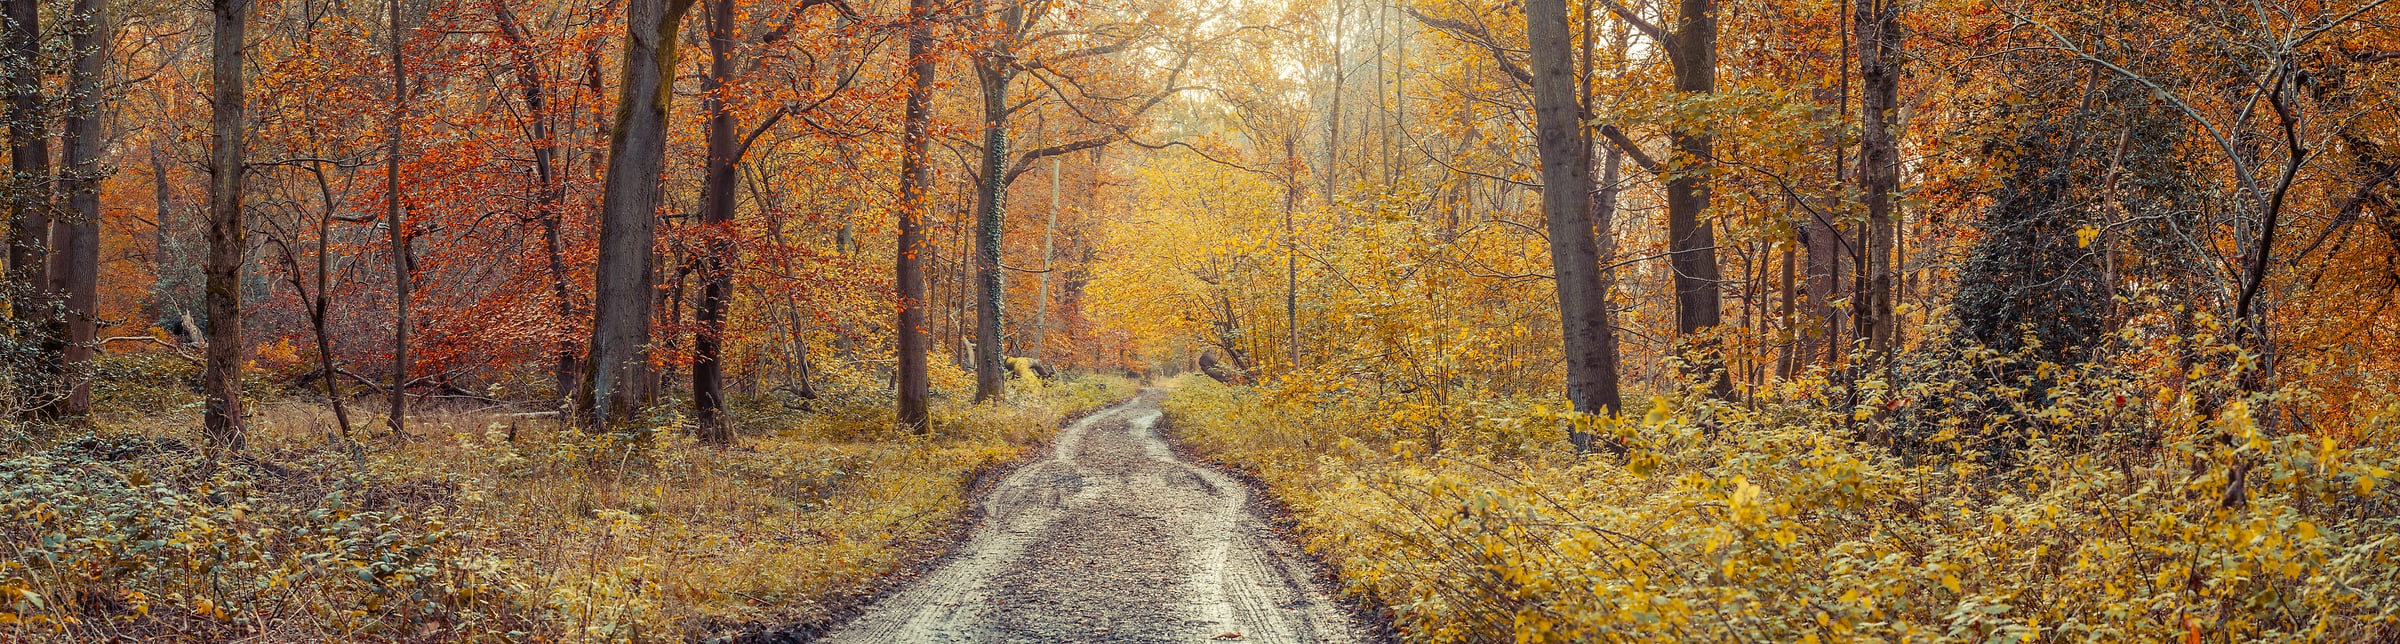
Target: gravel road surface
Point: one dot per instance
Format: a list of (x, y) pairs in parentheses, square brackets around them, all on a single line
[(1112, 539)]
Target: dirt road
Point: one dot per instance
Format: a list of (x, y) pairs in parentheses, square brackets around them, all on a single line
[(1112, 539)]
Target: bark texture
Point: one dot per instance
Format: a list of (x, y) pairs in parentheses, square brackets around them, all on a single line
[(221, 378), (29, 159), (910, 378), (394, 213), (716, 217), (1565, 149), (1878, 38), (617, 384), (75, 241), (1691, 236)]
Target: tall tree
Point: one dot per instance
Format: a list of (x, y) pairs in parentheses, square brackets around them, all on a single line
[(618, 383), (394, 214), (916, 177), (995, 66), (1691, 50), (1565, 151), (1878, 36), (75, 242), (1009, 37), (720, 172), (716, 219), (29, 159), (221, 378)]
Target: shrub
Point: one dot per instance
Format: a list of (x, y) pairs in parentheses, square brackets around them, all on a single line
[(2120, 513)]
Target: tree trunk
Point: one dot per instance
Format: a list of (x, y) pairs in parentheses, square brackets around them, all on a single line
[(1566, 158), (1691, 236), (1291, 251), (320, 305), (75, 243), (1878, 28), (617, 384), (397, 226), (29, 157), (992, 67), (1333, 116), (716, 221), (221, 379), (1825, 246), (915, 176), (1041, 297)]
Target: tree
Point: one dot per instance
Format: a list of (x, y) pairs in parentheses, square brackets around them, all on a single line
[(398, 228), (1010, 50), (618, 382), (221, 378), (318, 303), (722, 163), (29, 157), (75, 241), (541, 133), (716, 215), (1565, 152), (1878, 25), (995, 66), (1691, 235), (916, 177)]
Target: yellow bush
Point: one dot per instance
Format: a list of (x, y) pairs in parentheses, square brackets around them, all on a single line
[(2119, 514)]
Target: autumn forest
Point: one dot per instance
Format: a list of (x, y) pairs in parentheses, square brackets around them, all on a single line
[(1211, 320)]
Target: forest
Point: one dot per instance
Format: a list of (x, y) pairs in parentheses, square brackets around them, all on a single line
[(1204, 320)]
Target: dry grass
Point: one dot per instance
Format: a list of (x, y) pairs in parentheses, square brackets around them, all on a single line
[(522, 531)]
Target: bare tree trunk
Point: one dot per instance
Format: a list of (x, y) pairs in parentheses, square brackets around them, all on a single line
[(221, 380), (716, 219), (1333, 117), (1788, 346), (1291, 250), (915, 175), (1820, 338), (1878, 28), (29, 157), (398, 227), (320, 304), (1566, 157), (1691, 236), (618, 382), (1041, 298), (32, 302), (75, 243)]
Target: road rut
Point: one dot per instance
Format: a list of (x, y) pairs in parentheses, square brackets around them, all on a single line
[(1113, 539)]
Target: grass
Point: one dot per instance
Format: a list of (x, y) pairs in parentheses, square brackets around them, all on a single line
[(486, 526)]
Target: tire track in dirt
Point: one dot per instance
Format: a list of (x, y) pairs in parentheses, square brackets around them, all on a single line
[(1113, 539)]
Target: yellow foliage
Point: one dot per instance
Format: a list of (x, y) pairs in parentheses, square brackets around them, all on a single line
[(1786, 520), (487, 528)]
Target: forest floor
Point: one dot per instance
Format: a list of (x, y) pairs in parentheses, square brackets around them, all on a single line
[(1111, 538)]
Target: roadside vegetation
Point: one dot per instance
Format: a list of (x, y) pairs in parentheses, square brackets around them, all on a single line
[(1945, 502), (489, 524)]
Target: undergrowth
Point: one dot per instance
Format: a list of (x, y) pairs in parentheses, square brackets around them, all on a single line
[(1967, 497), (486, 525)]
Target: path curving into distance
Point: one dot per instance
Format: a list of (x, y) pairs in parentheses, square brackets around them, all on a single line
[(1113, 539)]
